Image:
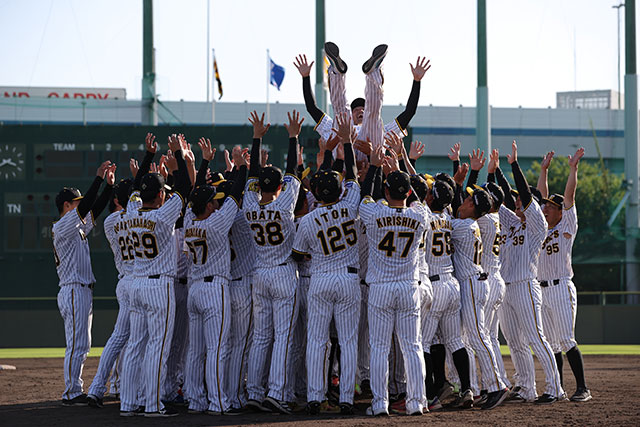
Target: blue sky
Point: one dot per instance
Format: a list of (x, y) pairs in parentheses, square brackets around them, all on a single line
[(533, 46)]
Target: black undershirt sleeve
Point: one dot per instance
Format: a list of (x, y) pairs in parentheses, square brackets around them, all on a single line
[(309, 100), (509, 201), (90, 197), (412, 104), (521, 184), (201, 177)]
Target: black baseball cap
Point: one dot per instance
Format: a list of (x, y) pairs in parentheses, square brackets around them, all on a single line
[(67, 194), (270, 178), (302, 196), (203, 194), (481, 199), (224, 187), (420, 186), (442, 176), (358, 102), (399, 184), (327, 185), (535, 193), (495, 191), (122, 190), (151, 183), (216, 178), (442, 193), (555, 199)]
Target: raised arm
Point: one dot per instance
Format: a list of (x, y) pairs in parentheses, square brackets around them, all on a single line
[(183, 183), (293, 127), (103, 200), (304, 68), (572, 181), (415, 151), (543, 187), (90, 196), (151, 147), (518, 177), (476, 163), (259, 130), (421, 67), (454, 156), (343, 121), (459, 193), (208, 152), (377, 158)]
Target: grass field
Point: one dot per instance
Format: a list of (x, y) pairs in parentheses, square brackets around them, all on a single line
[(48, 352)]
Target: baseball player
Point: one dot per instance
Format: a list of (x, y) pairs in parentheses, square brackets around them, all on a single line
[(467, 256), (73, 265), (329, 236), (559, 302), (367, 120), (115, 230), (207, 226), (525, 230), (394, 232), (268, 205), (153, 295)]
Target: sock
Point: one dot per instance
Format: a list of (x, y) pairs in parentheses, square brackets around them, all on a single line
[(428, 382), (577, 366), (559, 362), (438, 356), (461, 360)]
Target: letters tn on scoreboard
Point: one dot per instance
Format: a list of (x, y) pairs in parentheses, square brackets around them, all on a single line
[(62, 160)]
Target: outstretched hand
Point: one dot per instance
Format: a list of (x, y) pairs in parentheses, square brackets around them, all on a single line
[(575, 159), (259, 128), (513, 157), (422, 66), (363, 146), (295, 124), (377, 156), (394, 142), (494, 161), (111, 174), (416, 150), (343, 120), (102, 169), (208, 152), (461, 173), (150, 143), (304, 68), (546, 160), (477, 159), (454, 152)]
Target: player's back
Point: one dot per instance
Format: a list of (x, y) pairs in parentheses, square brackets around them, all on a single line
[(117, 234), (522, 242), (71, 248), (241, 245), (555, 258), (394, 236), (272, 223), (438, 245), (467, 248), (490, 231), (151, 232)]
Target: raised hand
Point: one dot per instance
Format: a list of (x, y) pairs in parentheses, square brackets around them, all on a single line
[(238, 157), (391, 163), (150, 143), (174, 143), (184, 144), (575, 159), (343, 120), (363, 146), (377, 156), (421, 67), (227, 160), (264, 157), (477, 159), (259, 128), (189, 157), (394, 142), (162, 170), (546, 160), (172, 163), (133, 167), (111, 174), (295, 124), (461, 173), (332, 142), (416, 150), (304, 68), (513, 157), (454, 152), (340, 151), (494, 160), (208, 152), (153, 167), (300, 156), (102, 169)]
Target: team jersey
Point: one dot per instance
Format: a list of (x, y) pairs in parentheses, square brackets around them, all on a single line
[(272, 223), (363, 248), (208, 241), (521, 243), (555, 258), (71, 248), (304, 266), (330, 234), (151, 232), (490, 231), (243, 261), (438, 246), (394, 235), (422, 258), (182, 254), (467, 247), (115, 230)]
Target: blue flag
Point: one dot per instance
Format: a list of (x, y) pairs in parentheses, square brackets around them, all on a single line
[(277, 74)]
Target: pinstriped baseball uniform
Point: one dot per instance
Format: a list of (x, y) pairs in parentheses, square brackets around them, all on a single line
[(241, 333), (73, 264), (394, 235), (467, 254), (117, 234), (523, 297), (490, 231), (363, 324), (559, 298), (444, 315), (152, 303), (329, 235), (209, 307), (274, 285)]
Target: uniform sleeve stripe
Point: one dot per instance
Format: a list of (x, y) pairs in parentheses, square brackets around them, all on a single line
[(234, 199), (81, 219), (530, 201), (300, 252), (293, 175), (569, 207), (319, 121)]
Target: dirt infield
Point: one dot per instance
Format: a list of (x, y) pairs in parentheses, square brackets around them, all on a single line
[(30, 396)]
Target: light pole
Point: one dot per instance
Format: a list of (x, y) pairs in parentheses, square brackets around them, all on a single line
[(619, 94)]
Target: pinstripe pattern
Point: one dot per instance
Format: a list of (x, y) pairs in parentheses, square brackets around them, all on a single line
[(397, 377), (71, 248), (372, 127), (496, 287), (559, 304), (178, 350), (437, 243), (555, 257), (363, 333), (297, 386), (444, 315), (241, 241)]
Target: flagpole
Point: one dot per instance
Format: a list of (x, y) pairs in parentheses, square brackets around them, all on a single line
[(208, 47), (268, 84), (213, 92)]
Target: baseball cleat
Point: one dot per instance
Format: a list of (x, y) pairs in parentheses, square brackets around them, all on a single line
[(464, 400), (481, 399), (94, 401), (581, 395), (545, 399), (277, 405), (256, 406), (376, 58), (346, 408), (333, 55), (445, 392), (434, 404), (139, 412), (378, 413), (214, 413), (495, 398), (80, 400), (313, 407), (233, 411), (163, 413)]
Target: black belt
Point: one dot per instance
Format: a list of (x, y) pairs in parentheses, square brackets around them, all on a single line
[(155, 276), (208, 279), (182, 281), (284, 263), (362, 282), (306, 277), (89, 285), (352, 270), (233, 280), (545, 283), (483, 276), (434, 278)]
